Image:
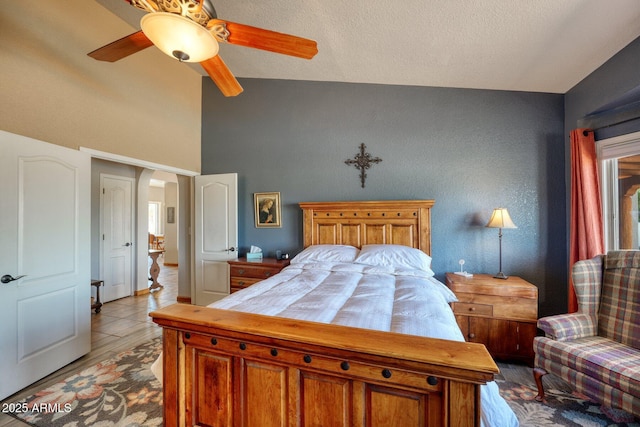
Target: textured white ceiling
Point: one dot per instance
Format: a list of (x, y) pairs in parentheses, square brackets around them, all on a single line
[(522, 45)]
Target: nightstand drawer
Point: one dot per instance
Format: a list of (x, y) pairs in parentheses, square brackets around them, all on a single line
[(472, 309), (256, 272), (243, 273), (238, 283)]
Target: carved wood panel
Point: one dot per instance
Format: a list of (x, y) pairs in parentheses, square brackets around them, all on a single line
[(405, 222), (393, 407), (208, 398), (263, 394), (325, 400)]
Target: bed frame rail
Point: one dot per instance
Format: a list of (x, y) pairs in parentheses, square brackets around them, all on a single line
[(227, 368)]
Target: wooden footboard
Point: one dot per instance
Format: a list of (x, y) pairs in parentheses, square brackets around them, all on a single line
[(227, 368)]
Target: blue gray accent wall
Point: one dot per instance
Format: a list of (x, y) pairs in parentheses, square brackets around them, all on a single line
[(470, 150)]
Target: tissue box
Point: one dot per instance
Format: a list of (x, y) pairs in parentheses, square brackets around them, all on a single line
[(254, 256)]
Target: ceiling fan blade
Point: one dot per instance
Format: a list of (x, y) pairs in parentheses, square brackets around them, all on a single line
[(122, 48), (222, 76), (258, 38)]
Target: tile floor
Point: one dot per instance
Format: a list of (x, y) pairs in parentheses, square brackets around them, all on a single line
[(122, 317)]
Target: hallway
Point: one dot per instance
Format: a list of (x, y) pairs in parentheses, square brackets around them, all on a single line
[(123, 317)]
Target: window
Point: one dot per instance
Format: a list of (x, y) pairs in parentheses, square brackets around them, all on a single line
[(155, 225), (620, 187)]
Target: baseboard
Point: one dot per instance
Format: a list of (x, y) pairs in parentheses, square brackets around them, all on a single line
[(170, 264), (141, 292), (184, 300)]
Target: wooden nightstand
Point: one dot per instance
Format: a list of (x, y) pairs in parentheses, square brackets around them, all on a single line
[(501, 314), (245, 273)]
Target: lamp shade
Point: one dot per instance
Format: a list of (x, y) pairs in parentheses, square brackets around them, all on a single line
[(500, 219), (179, 37)]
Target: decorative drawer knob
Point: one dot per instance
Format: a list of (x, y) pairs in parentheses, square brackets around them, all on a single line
[(187, 335), (214, 341), (241, 271), (307, 358), (432, 380), (386, 373), (345, 366), (274, 352), (267, 274), (472, 309), (472, 335), (243, 346)]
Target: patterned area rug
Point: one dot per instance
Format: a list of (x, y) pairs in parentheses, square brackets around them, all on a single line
[(120, 391), (560, 409), (123, 392)]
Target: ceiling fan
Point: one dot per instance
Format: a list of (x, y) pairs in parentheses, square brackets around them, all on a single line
[(189, 31)]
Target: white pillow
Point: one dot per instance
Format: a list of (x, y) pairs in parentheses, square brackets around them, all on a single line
[(397, 256), (334, 253)]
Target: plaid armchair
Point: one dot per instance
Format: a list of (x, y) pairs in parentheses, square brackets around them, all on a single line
[(597, 349)]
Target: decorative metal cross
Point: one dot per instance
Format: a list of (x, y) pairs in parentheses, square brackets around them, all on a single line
[(363, 161)]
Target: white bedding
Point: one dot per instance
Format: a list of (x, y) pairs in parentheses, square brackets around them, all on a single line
[(381, 298), (387, 298)]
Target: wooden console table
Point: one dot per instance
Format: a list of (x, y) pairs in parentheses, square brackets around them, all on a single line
[(154, 270), (97, 305)]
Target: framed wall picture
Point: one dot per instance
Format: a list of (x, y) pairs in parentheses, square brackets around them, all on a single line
[(267, 208), (171, 215)]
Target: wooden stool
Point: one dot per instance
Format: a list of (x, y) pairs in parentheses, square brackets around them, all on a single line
[(97, 304)]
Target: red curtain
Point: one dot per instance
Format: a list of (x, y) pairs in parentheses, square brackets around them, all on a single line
[(586, 231)]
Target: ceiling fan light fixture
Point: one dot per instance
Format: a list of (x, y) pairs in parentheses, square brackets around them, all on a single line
[(179, 37)]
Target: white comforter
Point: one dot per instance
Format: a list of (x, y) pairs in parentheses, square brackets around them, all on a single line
[(382, 298)]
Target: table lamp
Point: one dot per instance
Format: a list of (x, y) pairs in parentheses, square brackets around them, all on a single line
[(500, 219)]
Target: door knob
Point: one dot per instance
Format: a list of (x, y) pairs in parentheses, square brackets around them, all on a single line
[(128, 244), (8, 278), (231, 249)]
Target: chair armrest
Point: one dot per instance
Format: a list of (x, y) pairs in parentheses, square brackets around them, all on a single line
[(564, 327)]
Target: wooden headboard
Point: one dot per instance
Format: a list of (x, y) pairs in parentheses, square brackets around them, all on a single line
[(358, 223)]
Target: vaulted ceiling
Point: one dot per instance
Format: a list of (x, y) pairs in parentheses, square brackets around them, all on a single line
[(522, 45)]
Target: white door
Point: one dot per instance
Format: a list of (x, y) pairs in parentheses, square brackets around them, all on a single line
[(117, 236), (45, 213), (216, 234)]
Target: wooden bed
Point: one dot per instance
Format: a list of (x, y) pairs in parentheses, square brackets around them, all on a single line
[(228, 368)]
